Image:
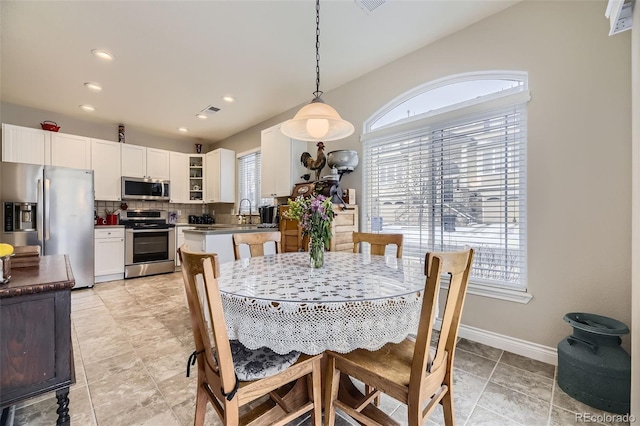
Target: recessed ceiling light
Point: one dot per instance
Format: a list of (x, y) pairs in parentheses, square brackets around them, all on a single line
[(201, 116), (94, 87), (229, 99), (102, 54), (183, 129), (88, 108)]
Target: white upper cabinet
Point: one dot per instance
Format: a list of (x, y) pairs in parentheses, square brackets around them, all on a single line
[(197, 178), (280, 167), (179, 177), (105, 162), (220, 169), (134, 160), (158, 163), (70, 151), (25, 145), (140, 161)]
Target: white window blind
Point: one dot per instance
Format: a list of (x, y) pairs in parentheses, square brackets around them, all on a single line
[(249, 182), (453, 183)]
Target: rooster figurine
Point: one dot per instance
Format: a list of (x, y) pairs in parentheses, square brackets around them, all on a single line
[(318, 164)]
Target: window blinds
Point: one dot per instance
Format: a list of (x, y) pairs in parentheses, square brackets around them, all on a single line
[(454, 183), (249, 180)]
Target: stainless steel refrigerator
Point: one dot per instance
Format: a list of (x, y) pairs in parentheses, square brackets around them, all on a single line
[(51, 207)]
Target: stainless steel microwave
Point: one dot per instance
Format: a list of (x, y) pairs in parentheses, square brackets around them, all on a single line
[(134, 188)]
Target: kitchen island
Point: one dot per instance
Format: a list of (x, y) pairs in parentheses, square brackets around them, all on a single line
[(218, 238), (35, 334)]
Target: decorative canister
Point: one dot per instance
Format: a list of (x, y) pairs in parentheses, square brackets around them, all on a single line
[(592, 367), (121, 133)]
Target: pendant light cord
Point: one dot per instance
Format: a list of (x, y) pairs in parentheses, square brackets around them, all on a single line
[(317, 93)]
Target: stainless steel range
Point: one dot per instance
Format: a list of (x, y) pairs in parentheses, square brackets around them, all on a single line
[(150, 243)]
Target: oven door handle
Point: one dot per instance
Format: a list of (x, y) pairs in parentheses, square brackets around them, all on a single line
[(143, 231)]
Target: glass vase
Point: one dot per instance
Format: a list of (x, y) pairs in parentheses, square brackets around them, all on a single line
[(316, 253)]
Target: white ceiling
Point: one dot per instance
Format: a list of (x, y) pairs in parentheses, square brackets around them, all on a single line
[(174, 58)]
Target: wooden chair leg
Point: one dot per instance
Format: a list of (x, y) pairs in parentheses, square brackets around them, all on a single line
[(317, 394), (201, 407), (331, 391), (447, 408)]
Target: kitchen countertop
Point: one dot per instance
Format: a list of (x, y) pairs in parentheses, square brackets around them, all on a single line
[(107, 226), (226, 229)]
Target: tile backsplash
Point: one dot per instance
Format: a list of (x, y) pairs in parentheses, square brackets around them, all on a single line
[(184, 209), (221, 212)]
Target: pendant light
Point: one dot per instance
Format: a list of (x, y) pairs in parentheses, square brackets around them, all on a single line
[(317, 121)]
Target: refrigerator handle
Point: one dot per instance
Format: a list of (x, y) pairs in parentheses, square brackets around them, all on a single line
[(47, 207), (40, 210)]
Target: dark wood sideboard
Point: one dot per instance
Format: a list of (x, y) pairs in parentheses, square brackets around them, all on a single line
[(36, 355)]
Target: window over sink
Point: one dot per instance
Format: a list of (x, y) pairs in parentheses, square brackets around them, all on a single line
[(249, 165)]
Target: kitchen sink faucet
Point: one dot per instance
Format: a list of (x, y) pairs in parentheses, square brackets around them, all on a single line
[(240, 206)]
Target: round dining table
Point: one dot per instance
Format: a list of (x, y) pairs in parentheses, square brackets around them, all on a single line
[(353, 301)]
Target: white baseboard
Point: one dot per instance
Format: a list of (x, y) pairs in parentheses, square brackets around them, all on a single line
[(507, 343)]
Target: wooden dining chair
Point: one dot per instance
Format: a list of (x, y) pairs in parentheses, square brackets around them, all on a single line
[(378, 242), (406, 371), (230, 376), (255, 241)]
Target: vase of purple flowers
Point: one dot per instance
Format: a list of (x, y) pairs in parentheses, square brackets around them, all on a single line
[(315, 215)]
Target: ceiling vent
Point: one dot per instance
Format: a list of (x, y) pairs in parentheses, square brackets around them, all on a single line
[(619, 14), (210, 110), (370, 5)]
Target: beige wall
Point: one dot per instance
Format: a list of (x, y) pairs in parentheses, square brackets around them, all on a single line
[(31, 117), (579, 153), (635, 262)]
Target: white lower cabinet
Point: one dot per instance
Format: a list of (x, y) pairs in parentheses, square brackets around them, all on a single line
[(221, 244), (180, 239), (109, 254)]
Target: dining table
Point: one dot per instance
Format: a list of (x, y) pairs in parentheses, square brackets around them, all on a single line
[(354, 301)]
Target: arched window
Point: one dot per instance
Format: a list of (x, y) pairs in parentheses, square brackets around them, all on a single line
[(445, 164)]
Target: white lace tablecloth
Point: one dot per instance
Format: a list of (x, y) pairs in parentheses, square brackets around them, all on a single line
[(354, 301)]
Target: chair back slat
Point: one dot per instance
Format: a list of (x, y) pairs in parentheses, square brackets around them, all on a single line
[(458, 266), (378, 242), (200, 272), (256, 242)]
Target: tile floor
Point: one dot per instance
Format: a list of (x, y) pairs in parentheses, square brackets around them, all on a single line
[(132, 338)]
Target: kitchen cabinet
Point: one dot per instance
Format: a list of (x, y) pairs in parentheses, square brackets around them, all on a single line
[(158, 163), (25, 145), (35, 146), (345, 223), (143, 162), (134, 160), (179, 177), (280, 162), (220, 172), (221, 244), (196, 182), (105, 162), (109, 254), (180, 239), (70, 151)]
